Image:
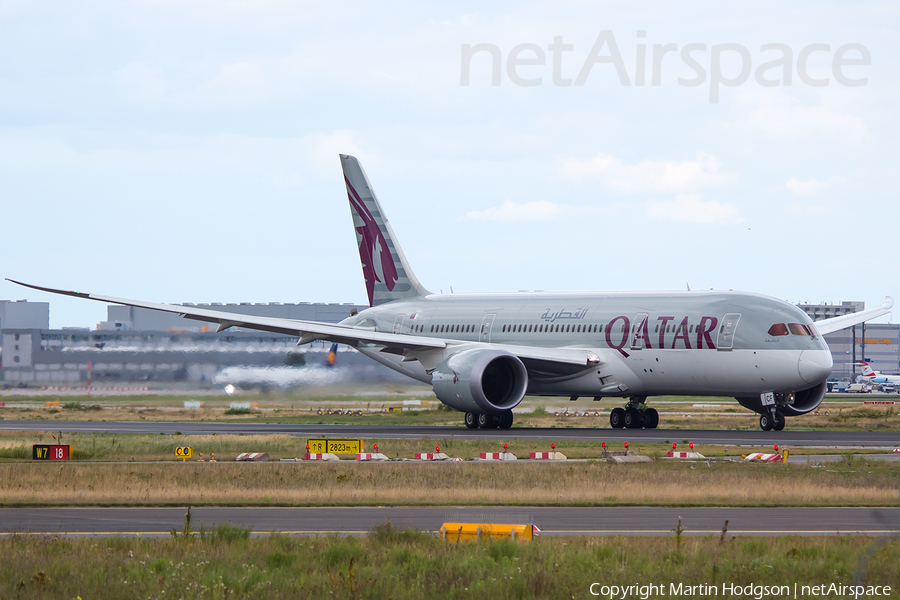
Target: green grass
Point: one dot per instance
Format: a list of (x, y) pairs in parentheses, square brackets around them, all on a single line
[(110, 447), (413, 565)]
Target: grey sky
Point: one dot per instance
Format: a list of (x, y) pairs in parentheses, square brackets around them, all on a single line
[(187, 151)]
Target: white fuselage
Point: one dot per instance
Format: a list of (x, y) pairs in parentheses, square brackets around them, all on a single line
[(703, 343)]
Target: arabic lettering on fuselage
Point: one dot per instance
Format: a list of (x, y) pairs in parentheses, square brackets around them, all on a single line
[(550, 317)]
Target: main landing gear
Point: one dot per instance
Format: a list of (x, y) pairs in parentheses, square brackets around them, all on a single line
[(502, 420), (772, 420), (635, 415)]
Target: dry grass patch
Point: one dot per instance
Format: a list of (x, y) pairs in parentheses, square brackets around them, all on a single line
[(572, 484)]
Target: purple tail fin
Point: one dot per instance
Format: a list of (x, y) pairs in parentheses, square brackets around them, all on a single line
[(388, 276)]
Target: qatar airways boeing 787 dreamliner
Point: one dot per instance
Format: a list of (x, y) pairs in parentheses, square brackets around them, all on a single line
[(482, 353)]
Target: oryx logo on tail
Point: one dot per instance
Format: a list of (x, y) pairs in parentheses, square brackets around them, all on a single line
[(387, 274), (377, 263)]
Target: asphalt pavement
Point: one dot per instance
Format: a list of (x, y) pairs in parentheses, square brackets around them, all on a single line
[(574, 521), (884, 439)]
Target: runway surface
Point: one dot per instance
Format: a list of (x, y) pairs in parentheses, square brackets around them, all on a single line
[(551, 521), (707, 436)]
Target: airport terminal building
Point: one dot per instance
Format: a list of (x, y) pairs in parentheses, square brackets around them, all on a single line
[(143, 346), (137, 345)]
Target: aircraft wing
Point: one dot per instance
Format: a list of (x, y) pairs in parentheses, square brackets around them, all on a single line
[(344, 334), (307, 330), (837, 323)]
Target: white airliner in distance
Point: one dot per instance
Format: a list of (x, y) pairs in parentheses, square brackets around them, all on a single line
[(871, 376), (482, 353)]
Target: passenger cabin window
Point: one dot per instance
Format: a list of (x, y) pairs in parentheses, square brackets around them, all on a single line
[(778, 329), (799, 329)]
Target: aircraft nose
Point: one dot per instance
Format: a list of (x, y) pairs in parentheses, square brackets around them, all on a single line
[(814, 365)]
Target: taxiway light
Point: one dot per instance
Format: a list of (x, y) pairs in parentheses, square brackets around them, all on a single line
[(604, 445), (674, 445), (776, 447), (553, 446), (691, 445), (504, 446), (626, 445), (437, 448), (376, 447)]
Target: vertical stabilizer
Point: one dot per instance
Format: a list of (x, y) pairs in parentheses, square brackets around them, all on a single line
[(388, 276)]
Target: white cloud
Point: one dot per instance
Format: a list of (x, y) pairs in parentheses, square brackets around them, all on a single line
[(784, 118), (813, 186), (649, 175), (511, 212), (691, 208)]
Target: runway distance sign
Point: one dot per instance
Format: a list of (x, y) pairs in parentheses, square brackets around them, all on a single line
[(184, 452), (50, 452), (335, 446)]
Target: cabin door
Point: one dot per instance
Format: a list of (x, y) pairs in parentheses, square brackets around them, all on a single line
[(486, 325), (726, 331)]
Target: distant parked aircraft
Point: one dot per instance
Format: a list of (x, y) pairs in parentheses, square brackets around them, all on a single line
[(871, 376), (482, 353)]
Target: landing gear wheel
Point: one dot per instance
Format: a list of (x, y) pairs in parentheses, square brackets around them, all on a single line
[(471, 420), (506, 419), (652, 418), (486, 421), (632, 418), (765, 422), (778, 421), (617, 418)]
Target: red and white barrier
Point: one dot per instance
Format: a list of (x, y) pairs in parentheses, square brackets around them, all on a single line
[(688, 455), (756, 456), (320, 456), (252, 457), (547, 456), (432, 456), (497, 456), (371, 456)]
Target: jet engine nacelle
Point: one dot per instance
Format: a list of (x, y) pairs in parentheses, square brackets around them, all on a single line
[(480, 380), (803, 401)]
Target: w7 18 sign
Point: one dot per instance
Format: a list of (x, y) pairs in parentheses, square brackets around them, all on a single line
[(48, 452)]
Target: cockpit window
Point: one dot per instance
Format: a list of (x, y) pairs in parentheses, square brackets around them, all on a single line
[(778, 329), (799, 329)]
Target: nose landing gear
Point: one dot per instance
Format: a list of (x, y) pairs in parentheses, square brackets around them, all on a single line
[(772, 420), (635, 415)]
